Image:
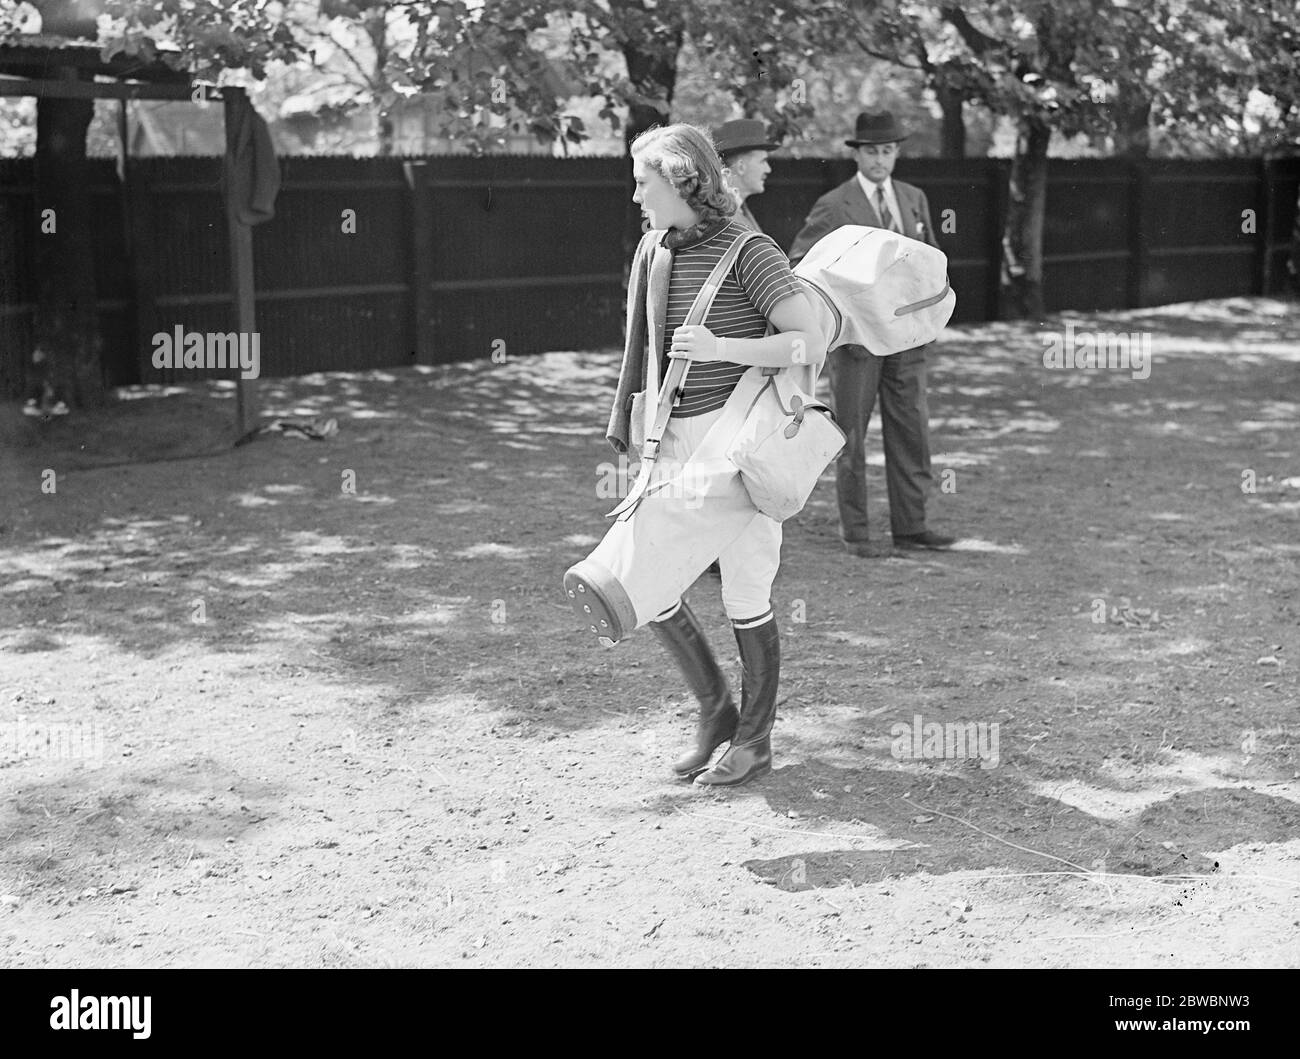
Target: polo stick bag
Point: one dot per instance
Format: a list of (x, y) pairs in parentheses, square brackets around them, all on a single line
[(875, 288), (678, 516)]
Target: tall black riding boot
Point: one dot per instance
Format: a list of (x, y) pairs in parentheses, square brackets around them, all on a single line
[(750, 753), (680, 632)]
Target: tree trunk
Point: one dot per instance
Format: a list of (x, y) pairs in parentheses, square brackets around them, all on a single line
[(1132, 126), (1293, 262), (67, 354), (376, 27), (1022, 240), (952, 142)]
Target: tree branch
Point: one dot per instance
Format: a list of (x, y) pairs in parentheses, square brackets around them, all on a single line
[(976, 40), (366, 79)]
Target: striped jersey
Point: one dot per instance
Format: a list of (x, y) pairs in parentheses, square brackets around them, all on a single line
[(760, 278)]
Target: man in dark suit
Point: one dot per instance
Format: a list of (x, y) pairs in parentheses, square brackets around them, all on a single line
[(872, 198), (743, 145)]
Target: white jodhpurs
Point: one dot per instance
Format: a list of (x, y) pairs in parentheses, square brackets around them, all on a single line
[(748, 564)]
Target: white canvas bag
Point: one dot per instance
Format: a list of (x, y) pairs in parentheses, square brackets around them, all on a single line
[(891, 291), (785, 443)]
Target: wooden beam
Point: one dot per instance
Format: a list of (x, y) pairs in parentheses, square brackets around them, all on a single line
[(583, 279), (141, 260), (247, 410), (59, 89), (26, 56)]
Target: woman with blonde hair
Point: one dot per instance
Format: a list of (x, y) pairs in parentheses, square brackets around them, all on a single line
[(680, 189)]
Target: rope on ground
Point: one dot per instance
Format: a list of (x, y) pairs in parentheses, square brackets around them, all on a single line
[(989, 834), (794, 831), (1207, 877)]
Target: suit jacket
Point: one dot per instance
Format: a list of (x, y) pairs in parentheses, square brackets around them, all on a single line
[(847, 204)]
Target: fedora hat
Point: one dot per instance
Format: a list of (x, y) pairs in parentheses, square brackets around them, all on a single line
[(876, 127), (743, 134)]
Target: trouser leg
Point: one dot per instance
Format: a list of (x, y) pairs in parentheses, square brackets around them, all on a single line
[(854, 375), (749, 566), (905, 429)]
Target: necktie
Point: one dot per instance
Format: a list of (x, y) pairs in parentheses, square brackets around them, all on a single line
[(882, 208)]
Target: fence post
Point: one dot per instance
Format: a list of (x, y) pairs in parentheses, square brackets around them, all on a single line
[(1139, 252), (240, 236), (998, 180), (140, 256), (1264, 226), (15, 356), (421, 246)]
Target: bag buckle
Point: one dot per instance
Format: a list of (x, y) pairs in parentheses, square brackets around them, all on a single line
[(798, 408)]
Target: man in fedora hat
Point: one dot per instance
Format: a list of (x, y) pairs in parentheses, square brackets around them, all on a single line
[(743, 145), (872, 198)]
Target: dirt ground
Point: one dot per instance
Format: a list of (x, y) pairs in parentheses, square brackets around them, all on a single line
[(364, 728)]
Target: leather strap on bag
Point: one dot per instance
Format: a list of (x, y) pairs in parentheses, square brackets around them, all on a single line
[(798, 406), (670, 394)]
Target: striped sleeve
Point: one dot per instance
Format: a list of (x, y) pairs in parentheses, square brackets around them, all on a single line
[(764, 273)]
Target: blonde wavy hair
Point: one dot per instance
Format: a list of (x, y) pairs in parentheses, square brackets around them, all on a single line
[(684, 156)]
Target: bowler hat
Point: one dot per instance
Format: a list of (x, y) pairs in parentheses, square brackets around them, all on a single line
[(743, 134), (876, 127)]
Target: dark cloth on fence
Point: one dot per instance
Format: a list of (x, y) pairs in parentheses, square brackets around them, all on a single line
[(251, 173)]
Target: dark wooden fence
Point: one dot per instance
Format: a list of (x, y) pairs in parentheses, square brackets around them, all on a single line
[(452, 258)]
